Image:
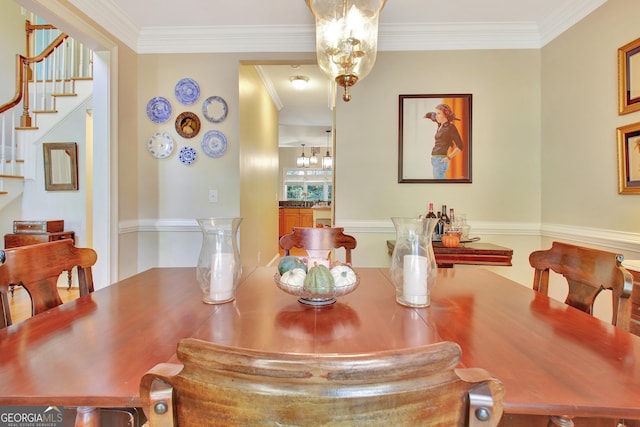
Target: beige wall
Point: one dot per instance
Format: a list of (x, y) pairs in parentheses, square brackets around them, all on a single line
[(505, 192), (258, 170), (580, 117)]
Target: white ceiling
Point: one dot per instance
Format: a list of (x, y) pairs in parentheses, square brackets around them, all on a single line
[(198, 26)]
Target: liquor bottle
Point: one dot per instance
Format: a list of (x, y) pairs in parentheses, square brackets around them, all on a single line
[(452, 218)]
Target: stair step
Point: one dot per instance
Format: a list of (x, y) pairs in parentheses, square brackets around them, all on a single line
[(27, 128), (17, 161), (4, 192), (44, 111), (12, 176), (64, 94)]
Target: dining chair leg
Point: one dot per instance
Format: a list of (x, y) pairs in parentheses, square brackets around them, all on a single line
[(560, 421)]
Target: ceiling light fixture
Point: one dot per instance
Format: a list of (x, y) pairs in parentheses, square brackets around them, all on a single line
[(327, 161), (299, 82), (302, 161), (346, 38)]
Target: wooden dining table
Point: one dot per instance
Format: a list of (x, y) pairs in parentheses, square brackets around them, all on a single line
[(551, 358)]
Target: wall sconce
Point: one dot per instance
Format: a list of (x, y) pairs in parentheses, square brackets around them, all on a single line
[(327, 161), (346, 39), (302, 161), (299, 82)]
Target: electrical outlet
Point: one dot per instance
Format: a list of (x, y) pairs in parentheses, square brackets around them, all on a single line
[(213, 196)]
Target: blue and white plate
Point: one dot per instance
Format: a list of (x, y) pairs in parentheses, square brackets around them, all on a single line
[(215, 109), (214, 143), (160, 145), (187, 155), (187, 91), (158, 109)]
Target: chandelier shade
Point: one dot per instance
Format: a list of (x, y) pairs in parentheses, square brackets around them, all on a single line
[(346, 39)]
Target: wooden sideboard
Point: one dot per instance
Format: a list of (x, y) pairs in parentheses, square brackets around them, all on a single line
[(474, 253), (24, 239)]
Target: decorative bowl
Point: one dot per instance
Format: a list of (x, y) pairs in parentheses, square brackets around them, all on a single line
[(310, 298)]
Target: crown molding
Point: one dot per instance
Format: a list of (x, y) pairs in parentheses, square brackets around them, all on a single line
[(227, 39), (301, 38), (564, 18), (112, 18)]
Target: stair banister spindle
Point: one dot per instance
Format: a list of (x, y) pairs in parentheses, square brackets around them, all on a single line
[(4, 145), (81, 62), (63, 68), (13, 143)]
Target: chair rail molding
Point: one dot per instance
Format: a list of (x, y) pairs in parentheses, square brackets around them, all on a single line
[(619, 240)]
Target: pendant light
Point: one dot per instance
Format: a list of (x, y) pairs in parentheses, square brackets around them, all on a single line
[(302, 161), (327, 161), (346, 39), (313, 160)]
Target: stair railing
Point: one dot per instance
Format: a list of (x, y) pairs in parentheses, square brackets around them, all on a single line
[(52, 63)]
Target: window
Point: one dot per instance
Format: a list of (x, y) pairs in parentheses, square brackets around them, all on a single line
[(308, 184)]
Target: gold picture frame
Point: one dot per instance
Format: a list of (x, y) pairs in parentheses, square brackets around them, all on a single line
[(629, 77), (629, 159)]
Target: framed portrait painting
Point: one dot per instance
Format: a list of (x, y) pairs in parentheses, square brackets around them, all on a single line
[(434, 138), (629, 159)]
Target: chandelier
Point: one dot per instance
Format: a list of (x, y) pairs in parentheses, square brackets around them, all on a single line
[(346, 38)]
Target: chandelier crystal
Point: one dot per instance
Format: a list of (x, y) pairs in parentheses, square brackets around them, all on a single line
[(346, 39)]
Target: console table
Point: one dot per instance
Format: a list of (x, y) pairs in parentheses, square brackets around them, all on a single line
[(474, 253)]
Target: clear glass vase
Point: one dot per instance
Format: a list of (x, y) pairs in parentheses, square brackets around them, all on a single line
[(219, 266), (413, 264)]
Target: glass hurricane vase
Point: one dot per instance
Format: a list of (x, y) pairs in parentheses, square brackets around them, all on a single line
[(219, 266), (413, 264)]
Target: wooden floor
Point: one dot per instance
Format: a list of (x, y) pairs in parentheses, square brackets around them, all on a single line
[(20, 303)]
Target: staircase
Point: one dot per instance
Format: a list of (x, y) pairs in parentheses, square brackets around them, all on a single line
[(56, 82)]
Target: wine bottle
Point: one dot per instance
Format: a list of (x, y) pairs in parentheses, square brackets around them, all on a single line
[(444, 215), (446, 221), (430, 214)]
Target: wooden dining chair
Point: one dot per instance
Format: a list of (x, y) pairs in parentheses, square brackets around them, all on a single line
[(229, 386), (37, 269), (588, 272), (318, 241)]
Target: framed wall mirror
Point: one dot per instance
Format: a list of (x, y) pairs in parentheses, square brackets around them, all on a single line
[(60, 166)]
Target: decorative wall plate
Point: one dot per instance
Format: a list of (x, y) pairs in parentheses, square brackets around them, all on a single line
[(214, 143), (187, 124), (187, 155), (215, 109), (158, 109), (187, 91), (160, 145)]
